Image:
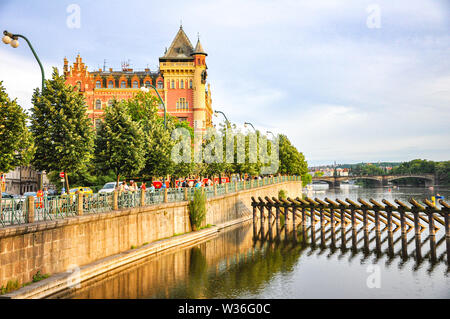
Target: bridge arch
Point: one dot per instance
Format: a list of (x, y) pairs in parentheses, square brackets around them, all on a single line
[(428, 180)]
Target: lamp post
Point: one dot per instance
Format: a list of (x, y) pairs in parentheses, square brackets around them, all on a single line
[(271, 133), (247, 123), (144, 89), (13, 40), (226, 119)]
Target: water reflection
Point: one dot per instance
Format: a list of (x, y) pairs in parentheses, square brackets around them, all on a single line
[(266, 260)]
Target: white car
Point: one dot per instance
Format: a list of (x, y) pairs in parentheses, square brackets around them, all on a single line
[(108, 187)]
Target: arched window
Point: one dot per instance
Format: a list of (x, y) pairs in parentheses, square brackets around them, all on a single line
[(190, 84), (123, 84), (173, 84), (135, 85), (160, 84), (147, 84), (182, 84), (98, 84), (98, 105), (110, 85)]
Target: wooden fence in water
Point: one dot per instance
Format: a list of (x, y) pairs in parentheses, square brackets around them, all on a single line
[(331, 213)]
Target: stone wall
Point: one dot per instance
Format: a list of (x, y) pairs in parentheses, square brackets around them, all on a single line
[(56, 246)]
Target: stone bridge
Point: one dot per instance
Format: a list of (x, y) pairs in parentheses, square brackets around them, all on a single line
[(381, 180)]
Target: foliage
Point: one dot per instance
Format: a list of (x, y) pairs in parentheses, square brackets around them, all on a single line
[(62, 131), (197, 208), (120, 143), (38, 276), (292, 162), (15, 139), (306, 179), (282, 194), (10, 286)]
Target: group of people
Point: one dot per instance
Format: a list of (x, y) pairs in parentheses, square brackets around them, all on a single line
[(133, 187)]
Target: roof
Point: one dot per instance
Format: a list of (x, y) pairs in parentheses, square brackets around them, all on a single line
[(199, 49), (181, 47)]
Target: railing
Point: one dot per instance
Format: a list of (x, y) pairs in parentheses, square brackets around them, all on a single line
[(22, 211)]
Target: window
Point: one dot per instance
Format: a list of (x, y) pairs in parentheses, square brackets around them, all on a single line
[(182, 84), (110, 84), (98, 84), (190, 84), (98, 105), (147, 84), (123, 84), (135, 85), (182, 104), (173, 84), (160, 85)]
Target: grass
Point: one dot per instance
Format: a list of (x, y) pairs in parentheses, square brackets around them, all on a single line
[(14, 284)]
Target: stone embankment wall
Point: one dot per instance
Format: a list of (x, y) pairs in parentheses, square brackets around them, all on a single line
[(55, 246)]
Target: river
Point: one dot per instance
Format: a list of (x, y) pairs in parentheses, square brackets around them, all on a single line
[(242, 262)]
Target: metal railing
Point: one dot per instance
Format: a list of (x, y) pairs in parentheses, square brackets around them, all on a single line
[(20, 211)]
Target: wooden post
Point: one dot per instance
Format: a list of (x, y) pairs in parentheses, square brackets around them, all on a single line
[(166, 197), (365, 223), (277, 219), (389, 219), (304, 216), (215, 189), (142, 197), (402, 221), (243, 184), (79, 204), (353, 215), (115, 200), (377, 221), (432, 229), (226, 188), (186, 198), (313, 222), (321, 217), (332, 220), (236, 186), (294, 209), (30, 209)]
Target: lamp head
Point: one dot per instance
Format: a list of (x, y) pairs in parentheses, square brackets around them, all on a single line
[(14, 43), (6, 39)]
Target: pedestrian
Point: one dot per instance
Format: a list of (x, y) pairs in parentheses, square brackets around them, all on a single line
[(152, 188), (143, 187)]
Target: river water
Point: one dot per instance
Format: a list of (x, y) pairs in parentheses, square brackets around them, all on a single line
[(246, 261)]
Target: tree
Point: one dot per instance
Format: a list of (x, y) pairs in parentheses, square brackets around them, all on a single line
[(16, 144), (61, 129), (143, 108), (291, 160), (120, 142)]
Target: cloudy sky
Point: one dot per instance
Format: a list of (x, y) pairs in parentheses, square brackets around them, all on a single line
[(347, 81)]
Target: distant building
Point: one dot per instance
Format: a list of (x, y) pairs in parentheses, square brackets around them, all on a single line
[(23, 179)]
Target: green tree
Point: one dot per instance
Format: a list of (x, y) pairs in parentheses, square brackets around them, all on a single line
[(120, 142), (291, 160), (143, 108), (16, 144), (61, 129)]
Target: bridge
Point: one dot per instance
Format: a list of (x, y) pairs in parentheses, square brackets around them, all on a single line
[(381, 180)]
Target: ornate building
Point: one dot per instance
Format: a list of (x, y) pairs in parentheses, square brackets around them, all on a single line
[(180, 81)]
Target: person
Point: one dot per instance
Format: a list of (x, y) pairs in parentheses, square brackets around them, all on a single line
[(143, 187), (163, 185), (45, 192), (63, 190), (184, 184), (198, 184), (152, 188)]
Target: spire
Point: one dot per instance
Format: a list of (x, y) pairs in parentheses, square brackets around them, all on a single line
[(198, 48)]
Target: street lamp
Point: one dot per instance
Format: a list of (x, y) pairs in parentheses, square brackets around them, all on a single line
[(271, 133), (144, 89), (247, 123), (226, 119), (13, 40)]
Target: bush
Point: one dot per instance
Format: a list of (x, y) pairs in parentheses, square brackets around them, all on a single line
[(197, 209), (282, 194)]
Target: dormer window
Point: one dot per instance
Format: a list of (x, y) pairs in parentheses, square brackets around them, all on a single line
[(135, 85), (110, 84), (98, 84), (123, 84), (147, 84), (98, 105), (160, 85)]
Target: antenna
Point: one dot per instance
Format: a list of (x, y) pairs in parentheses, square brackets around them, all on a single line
[(104, 65)]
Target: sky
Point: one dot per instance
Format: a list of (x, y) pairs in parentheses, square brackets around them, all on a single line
[(347, 81)]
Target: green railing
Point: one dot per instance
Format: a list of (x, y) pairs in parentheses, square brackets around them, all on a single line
[(13, 212), (16, 211)]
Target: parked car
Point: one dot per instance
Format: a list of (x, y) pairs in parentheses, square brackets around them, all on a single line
[(108, 187), (81, 189), (9, 201)]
